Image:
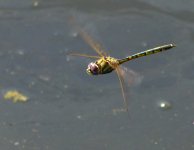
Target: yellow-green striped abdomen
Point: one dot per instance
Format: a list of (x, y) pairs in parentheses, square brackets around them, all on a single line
[(147, 52)]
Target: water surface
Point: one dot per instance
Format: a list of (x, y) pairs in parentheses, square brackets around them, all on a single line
[(67, 108)]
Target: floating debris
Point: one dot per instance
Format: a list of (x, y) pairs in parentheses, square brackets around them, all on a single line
[(74, 34), (35, 3), (20, 52), (164, 105), (116, 111), (15, 96), (79, 117), (16, 143)]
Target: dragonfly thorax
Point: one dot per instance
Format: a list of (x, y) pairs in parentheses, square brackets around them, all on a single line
[(102, 66)]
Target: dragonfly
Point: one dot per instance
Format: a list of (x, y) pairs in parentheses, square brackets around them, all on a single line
[(106, 64)]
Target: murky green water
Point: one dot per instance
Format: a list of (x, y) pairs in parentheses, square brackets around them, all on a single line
[(70, 110)]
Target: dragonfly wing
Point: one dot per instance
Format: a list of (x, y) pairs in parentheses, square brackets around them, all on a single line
[(96, 46), (84, 55), (123, 88), (88, 39), (127, 78), (131, 77)]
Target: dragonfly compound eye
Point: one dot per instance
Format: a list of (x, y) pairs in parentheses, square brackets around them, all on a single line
[(93, 69)]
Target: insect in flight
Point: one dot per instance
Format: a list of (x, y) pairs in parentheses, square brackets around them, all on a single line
[(106, 64)]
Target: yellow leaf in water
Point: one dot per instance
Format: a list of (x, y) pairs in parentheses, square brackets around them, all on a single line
[(15, 96)]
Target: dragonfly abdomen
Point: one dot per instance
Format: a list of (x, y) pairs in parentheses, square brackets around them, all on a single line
[(147, 52)]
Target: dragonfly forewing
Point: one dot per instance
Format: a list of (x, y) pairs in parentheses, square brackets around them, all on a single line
[(84, 55), (88, 39)]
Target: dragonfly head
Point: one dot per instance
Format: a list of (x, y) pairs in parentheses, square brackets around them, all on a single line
[(92, 69)]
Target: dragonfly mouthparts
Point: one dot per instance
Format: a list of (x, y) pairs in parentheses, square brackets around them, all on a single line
[(88, 71)]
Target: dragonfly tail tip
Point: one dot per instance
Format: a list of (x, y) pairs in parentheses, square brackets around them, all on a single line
[(173, 45)]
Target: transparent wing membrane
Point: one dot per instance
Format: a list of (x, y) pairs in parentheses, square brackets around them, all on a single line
[(88, 39), (97, 47), (84, 55), (131, 77), (123, 90)]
